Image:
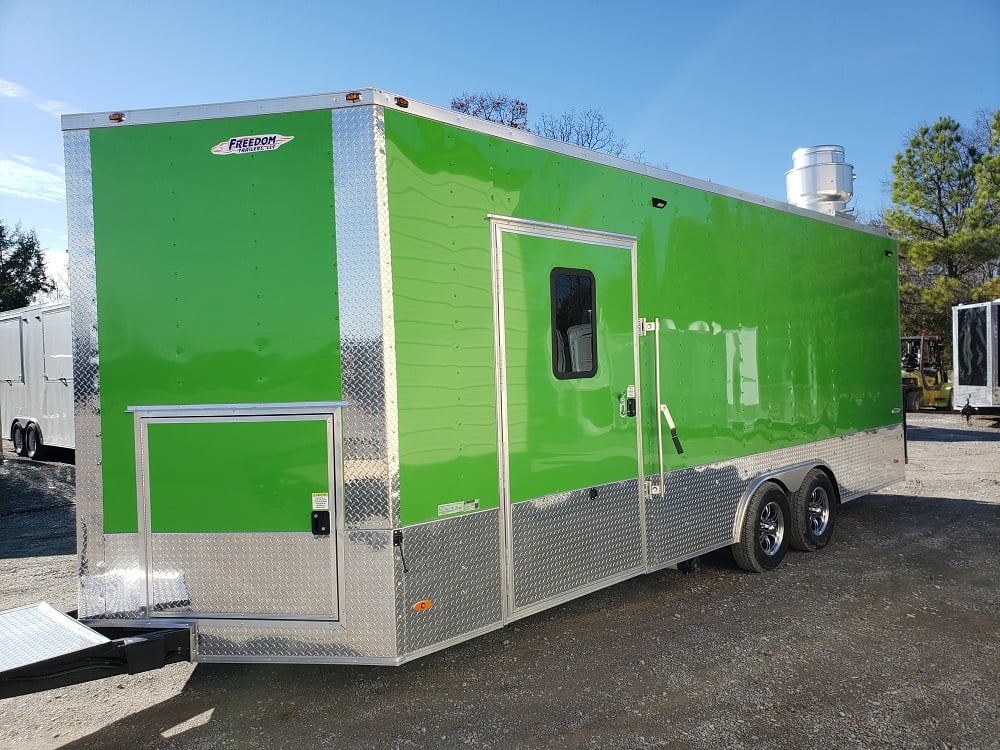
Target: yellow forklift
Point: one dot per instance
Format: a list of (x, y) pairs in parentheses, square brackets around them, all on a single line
[(925, 380)]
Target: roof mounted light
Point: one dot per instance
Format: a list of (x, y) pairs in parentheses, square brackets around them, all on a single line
[(402, 101), (117, 117), (354, 96)]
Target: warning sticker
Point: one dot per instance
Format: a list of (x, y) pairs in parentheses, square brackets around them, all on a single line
[(321, 501), (463, 506)]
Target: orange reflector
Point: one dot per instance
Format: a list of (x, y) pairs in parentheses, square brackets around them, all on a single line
[(423, 605), (116, 117), (354, 96), (402, 102)]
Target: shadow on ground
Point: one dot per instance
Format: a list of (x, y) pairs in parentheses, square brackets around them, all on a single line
[(37, 511)]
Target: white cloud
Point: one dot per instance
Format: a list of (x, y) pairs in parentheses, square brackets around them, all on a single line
[(17, 91), (54, 107), (19, 177), (13, 90)]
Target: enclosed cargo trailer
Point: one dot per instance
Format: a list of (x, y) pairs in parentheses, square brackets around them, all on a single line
[(359, 378), (36, 378), (976, 338)]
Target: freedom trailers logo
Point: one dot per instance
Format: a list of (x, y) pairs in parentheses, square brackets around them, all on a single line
[(248, 144)]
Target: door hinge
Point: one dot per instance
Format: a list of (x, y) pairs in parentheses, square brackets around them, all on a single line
[(651, 489), (644, 326)]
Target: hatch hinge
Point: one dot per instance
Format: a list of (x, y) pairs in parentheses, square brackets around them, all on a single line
[(651, 488), (644, 326)]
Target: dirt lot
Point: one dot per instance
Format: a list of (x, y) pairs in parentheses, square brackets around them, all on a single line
[(889, 638)]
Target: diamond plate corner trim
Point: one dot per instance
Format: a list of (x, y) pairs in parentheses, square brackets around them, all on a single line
[(86, 380), (571, 540), (698, 510), (455, 565), (361, 209)]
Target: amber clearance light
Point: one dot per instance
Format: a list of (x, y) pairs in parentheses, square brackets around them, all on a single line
[(423, 605)]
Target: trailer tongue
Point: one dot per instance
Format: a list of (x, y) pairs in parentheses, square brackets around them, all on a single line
[(44, 649)]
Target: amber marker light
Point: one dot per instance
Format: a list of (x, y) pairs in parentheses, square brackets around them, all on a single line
[(354, 96), (402, 101), (117, 117), (423, 605)]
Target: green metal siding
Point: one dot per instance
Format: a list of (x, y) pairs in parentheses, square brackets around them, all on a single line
[(817, 300), (216, 275)]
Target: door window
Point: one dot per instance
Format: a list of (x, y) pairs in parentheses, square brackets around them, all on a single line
[(574, 334)]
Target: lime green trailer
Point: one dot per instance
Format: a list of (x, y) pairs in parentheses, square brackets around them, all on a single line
[(358, 378)]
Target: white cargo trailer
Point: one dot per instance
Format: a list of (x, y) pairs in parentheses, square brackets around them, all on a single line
[(977, 354), (36, 378)]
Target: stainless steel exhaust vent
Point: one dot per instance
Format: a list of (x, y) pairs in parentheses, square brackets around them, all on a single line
[(821, 180)]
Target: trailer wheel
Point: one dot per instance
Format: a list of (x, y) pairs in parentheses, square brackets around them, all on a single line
[(33, 446), (17, 438), (814, 510), (764, 540)]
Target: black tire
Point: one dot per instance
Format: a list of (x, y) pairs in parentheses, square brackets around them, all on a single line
[(911, 401), (33, 446), (17, 438), (764, 538), (814, 511)]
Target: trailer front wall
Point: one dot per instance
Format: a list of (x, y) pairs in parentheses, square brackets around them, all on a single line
[(216, 277)]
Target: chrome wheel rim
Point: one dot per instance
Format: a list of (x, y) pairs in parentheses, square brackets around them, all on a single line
[(818, 511), (771, 528)]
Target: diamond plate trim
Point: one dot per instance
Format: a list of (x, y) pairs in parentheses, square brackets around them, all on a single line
[(114, 585), (571, 539), (698, 510), (455, 564), (86, 378), (366, 632), (243, 574), (371, 438)]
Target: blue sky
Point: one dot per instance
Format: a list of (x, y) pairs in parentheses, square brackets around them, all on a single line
[(722, 91)]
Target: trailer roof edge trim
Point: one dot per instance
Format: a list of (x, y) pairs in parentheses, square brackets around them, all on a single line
[(370, 96)]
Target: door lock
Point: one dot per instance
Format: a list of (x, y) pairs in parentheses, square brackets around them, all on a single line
[(626, 403)]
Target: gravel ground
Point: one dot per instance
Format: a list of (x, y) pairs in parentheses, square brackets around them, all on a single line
[(888, 638)]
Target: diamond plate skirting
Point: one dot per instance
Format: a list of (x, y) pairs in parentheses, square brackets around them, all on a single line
[(697, 512), (455, 564), (361, 206), (570, 540), (244, 574), (366, 632)]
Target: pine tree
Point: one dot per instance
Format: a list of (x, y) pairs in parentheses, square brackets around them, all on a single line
[(22, 267)]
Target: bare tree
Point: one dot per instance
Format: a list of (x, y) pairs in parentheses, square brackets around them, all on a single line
[(499, 108), (588, 129)]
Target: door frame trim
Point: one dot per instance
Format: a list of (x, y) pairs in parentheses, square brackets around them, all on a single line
[(499, 226)]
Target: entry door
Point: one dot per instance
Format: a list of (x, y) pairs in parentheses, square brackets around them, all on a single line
[(568, 409)]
